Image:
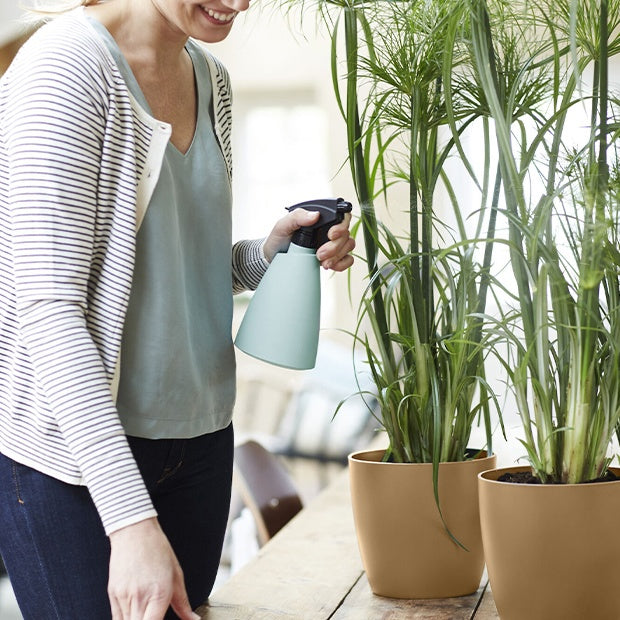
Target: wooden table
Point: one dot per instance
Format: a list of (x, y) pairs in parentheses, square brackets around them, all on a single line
[(312, 570)]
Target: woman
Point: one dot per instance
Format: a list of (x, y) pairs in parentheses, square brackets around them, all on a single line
[(117, 476)]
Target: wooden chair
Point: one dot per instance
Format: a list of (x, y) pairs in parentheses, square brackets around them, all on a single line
[(265, 488)]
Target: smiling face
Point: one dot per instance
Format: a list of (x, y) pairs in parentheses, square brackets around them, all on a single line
[(220, 15), (209, 21)]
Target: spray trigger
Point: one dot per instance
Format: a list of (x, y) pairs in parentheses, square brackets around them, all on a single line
[(332, 211)]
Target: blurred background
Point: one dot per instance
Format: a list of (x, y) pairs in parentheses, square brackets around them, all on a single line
[(289, 146)]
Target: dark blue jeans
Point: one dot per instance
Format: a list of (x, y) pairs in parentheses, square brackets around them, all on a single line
[(54, 547)]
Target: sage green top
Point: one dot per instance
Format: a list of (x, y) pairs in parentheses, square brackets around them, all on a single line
[(178, 367)]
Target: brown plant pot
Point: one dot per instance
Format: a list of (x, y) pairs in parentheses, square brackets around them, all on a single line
[(405, 548), (552, 550)]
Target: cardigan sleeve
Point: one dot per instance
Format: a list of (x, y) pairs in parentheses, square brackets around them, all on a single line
[(52, 135), (248, 265)]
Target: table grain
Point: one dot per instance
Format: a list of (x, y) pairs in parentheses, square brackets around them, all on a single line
[(312, 570)]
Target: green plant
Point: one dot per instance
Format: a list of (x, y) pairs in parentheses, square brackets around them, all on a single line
[(561, 201), (400, 78)]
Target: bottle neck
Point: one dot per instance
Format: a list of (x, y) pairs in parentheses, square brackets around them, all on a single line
[(293, 248)]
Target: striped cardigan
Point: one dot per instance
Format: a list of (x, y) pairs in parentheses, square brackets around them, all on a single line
[(79, 160)]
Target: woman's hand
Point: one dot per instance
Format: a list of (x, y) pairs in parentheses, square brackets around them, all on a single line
[(335, 254), (145, 576)]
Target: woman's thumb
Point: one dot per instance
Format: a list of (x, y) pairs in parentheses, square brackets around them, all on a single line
[(304, 218)]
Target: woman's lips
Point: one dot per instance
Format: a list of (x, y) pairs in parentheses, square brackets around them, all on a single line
[(219, 17)]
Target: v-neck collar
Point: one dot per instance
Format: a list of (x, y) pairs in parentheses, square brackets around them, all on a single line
[(134, 86)]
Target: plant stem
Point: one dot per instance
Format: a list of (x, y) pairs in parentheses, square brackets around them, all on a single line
[(359, 169)]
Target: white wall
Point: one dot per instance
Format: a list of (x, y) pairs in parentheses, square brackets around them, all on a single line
[(268, 53)]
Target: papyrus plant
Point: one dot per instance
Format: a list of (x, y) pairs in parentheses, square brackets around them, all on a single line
[(560, 180), (400, 79)]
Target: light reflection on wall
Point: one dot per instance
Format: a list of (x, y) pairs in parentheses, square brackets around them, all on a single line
[(280, 159)]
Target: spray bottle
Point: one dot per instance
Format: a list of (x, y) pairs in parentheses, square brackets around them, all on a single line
[(281, 324)]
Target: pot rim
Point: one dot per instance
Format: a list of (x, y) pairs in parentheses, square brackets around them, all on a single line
[(484, 476), (355, 457)]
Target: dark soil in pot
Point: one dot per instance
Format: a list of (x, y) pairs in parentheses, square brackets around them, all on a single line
[(527, 477)]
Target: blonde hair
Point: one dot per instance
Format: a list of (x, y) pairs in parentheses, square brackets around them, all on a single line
[(49, 8)]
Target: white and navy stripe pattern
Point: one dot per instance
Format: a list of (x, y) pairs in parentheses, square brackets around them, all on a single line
[(78, 162)]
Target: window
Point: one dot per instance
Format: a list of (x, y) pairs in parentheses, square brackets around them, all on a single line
[(280, 158)]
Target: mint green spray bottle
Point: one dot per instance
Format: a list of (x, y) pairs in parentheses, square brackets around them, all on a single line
[(281, 324)]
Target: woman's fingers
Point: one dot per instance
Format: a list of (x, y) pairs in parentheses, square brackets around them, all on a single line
[(145, 576), (336, 253), (280, 237), (140, 601), (339, 265), (179, 601)]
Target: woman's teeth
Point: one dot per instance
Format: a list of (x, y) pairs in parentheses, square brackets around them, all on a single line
[(221, 17)]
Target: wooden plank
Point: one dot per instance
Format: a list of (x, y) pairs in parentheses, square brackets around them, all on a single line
[(305, 571), (487, 609), (238, 612), (362, 603), (311, 570)]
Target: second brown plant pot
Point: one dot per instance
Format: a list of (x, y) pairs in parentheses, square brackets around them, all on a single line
[(552, 550)]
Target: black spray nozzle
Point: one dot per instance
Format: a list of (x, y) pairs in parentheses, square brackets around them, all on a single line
[(332, 212)]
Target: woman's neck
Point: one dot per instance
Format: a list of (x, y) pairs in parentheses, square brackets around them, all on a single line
[(147, 37)]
